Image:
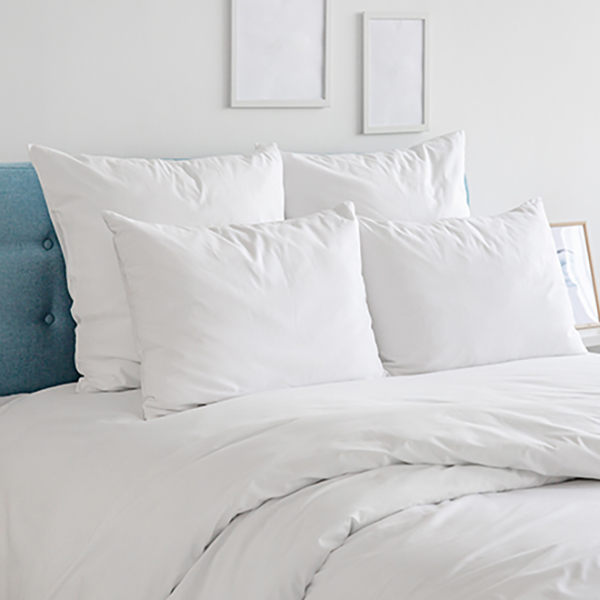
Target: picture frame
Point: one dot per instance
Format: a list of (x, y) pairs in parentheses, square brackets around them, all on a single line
[(395, 72), (573, 250), (280, 53)]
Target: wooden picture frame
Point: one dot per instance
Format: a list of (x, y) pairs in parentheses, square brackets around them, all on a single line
[(395, 72), (573, 249), (280, 53)]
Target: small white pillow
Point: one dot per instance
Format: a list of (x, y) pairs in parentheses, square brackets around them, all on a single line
[(422, 183), (464, 292), (233, 310), (204, 192)]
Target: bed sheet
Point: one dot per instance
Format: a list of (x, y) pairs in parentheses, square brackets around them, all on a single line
[(453, 484)]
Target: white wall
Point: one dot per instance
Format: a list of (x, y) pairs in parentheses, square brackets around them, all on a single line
[(150, 78)]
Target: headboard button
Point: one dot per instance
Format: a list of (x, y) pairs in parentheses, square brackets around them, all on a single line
[(49, 319), (48, 244)]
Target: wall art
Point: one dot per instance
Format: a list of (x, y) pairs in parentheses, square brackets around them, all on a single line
[(573, 250), (395, 85), (279, 53)]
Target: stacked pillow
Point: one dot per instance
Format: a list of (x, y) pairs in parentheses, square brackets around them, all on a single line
[(216, 296), (463, 292), (423, 183), (226, 311), (202, 192)]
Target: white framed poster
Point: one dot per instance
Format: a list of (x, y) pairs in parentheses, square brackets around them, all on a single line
[(573, 251), (279, 53), (395, 80)]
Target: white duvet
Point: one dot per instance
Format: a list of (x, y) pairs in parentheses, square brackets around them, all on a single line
[(475, 483)]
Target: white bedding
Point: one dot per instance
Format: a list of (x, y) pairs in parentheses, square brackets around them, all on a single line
[(373, 489)]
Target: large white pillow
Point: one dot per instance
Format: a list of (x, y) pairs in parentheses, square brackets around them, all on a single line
[(464, 292), (228, 311), (422, 183), (204, 192)]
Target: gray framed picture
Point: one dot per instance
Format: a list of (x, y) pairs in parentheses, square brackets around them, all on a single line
[(280, 53), (573, 251), (395, 73)]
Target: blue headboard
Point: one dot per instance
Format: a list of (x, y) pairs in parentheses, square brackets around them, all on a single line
[(37, 339)]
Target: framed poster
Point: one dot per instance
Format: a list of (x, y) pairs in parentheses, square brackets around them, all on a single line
[(573, 250), (395, 83), (280, 53)]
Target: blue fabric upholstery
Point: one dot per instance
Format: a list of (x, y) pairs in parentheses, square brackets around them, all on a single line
[(37, 338)]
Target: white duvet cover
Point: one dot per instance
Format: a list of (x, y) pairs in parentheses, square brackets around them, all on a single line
[(442, 486)]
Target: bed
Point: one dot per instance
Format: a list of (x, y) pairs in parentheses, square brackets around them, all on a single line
[(315, 457)]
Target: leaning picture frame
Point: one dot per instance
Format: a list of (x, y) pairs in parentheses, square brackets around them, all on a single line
[(395, 72), (280, 53), (573, 251)]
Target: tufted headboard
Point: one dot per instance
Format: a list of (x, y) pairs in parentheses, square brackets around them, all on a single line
[(37, 338)]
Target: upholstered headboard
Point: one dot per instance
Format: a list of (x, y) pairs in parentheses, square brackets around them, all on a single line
[(36, 329)]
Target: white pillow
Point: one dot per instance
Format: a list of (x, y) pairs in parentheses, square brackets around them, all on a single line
[(463, 292), (204, 192), (422, 183), (233, 310)]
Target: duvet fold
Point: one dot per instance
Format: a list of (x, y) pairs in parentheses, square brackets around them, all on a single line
[(291, 538), (254, 497)]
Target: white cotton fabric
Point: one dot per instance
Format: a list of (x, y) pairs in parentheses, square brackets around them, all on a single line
[(529, 544), (228, 311), (464, 292), (209, 191), (373, 489), (422, 183)]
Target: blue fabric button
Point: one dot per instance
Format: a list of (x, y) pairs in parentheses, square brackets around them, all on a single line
[(48, 244), (49, 319)]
